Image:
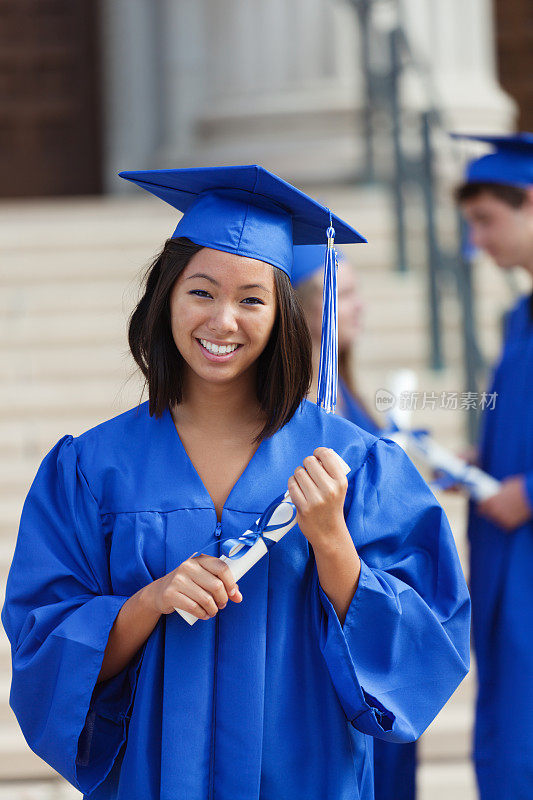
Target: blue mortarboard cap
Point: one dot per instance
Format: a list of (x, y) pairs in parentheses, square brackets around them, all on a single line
[(308, 259), (511, 162), (244, 210)]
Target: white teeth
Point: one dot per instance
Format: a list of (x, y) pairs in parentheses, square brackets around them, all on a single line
[(218, 349)]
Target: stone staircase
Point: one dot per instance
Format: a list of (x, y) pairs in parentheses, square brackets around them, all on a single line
[(69, 278)]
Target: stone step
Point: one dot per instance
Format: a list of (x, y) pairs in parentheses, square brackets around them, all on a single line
[(83, 223), (34, 434), (442, 780), (8, 539), (398, 349), (449, 735), (54, 397), (5, 673), (54, 788), (108, 360), (87, 296), (35, 332), (77, 266), (6, 714), (16, 757)]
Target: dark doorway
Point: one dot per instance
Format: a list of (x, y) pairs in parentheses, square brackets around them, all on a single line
[(514, 37), (50, 121)]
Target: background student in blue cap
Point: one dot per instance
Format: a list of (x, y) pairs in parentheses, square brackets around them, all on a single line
[(497, 202), (394, 764), (355, 625)]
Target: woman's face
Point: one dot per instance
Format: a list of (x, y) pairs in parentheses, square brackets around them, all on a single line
[(222, 308), (349, 306)]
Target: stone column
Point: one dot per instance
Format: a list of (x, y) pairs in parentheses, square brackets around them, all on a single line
[(282, 85), (131, 86), (183, 60), (454, 41)]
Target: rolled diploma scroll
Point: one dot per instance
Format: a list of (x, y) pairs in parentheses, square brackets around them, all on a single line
[(479, 485), (283, 515)]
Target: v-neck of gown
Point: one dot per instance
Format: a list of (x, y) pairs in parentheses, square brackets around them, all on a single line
[(243, 477)]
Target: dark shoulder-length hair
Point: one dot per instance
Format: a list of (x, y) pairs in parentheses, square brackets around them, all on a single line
[(283, 368)]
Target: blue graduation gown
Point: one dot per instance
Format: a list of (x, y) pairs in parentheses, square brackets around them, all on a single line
[(501, 572), (394, 764), (273, 698)]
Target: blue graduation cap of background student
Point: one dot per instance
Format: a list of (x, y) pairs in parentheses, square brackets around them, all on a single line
[(511, 162), (308, 260)]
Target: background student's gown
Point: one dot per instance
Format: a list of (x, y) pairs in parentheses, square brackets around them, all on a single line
[(394, 764), (502, 580), (271, 699)]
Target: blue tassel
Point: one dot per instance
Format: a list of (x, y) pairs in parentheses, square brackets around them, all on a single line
[(327, 372)]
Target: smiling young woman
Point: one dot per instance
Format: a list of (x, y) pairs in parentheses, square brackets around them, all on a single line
[(355, 625)]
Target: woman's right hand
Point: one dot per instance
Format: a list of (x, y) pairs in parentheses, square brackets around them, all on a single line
[(201, 585)]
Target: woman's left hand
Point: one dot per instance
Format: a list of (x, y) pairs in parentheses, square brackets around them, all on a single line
[(318, 490)]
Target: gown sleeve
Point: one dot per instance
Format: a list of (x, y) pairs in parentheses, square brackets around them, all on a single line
[(528, 477), (58, 613), (404, 646)]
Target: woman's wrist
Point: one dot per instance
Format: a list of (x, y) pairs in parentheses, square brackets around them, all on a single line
[(339, 567), (146, 597), (329, 542)]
